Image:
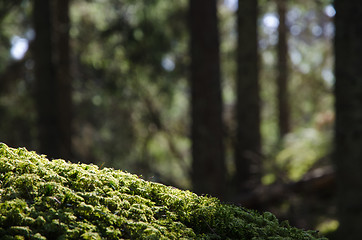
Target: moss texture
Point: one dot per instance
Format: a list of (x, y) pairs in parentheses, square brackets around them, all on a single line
[(42, 199)]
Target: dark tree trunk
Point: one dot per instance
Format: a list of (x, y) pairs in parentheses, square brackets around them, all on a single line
[(282, 77), (46, 99), (51, 56), (206, 104), (63, 78), (348, 125), (247, 146)]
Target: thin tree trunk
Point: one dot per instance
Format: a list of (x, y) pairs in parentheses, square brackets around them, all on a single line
[(348, 107), (45, 95), (53, 92), (248, 139), (282, 78), (206, 104), (63, 78)]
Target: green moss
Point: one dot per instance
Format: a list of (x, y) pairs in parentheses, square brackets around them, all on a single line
[(42, 199)]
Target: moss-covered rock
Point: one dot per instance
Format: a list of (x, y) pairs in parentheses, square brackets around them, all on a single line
[(42, 199)]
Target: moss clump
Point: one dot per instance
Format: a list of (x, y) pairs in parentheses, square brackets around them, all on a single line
[(42, 199)]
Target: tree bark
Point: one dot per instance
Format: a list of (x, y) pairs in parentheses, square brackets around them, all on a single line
[(63, 76), (282, 77), (208, 165), (248, 139), (45, 80), (348, 107), (52, 94)]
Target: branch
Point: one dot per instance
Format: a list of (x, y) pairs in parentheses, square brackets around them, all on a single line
[(317, 182)]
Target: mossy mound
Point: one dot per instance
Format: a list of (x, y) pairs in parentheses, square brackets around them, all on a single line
[(42, 199)]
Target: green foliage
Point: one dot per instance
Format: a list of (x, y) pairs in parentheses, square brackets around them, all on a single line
[(42, 199), (121, 47), (302, 150)]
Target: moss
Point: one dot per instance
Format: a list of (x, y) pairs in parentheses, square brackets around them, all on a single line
[(42, 199)]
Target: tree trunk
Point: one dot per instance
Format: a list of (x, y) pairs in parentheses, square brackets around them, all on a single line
[(51, 56), (63, 78), (45, 80), (247, 146), (206, 104), (282, 77), (348, 107)]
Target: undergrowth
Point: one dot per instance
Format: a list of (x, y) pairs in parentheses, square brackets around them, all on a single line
[(42, 199)]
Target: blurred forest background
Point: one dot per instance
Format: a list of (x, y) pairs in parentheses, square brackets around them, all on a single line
[(110, 83)]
